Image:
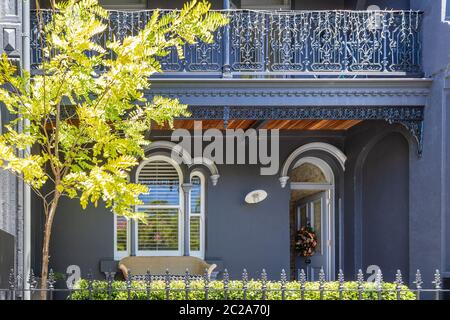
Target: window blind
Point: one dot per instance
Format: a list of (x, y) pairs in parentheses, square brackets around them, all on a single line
[(195, 214), (160, 233), (121, 233), (163, 184), (161, 208)]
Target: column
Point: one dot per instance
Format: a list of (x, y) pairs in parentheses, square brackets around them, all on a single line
[(226, 68)]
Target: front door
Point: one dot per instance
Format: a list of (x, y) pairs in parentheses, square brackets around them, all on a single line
[(314, 210)]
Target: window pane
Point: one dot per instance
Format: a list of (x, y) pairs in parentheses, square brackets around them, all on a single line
[(121, 233), (161, 230), (195, 212), (196, 190), (318, 224), (195, 233), (163, 183), (302, 218)]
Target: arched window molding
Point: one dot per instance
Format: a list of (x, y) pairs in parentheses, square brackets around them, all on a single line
[(318, 146), (198, 191)]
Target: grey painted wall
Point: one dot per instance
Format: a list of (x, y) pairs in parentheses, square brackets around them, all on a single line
[(430, 182), (376, 196), (239, 235), (255, 237), (81, 237), (385, 219)]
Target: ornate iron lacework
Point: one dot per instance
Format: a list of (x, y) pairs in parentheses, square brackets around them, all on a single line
[(285, 43), (410, 117), (325, 41)]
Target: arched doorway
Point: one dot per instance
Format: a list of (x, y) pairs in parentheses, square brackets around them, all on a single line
[(312, 187)]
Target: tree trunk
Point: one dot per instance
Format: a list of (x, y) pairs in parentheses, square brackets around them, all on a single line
[(46, 244)]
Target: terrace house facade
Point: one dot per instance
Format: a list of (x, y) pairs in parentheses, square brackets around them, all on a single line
[(359, 91)]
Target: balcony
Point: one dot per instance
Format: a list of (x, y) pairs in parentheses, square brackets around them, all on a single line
[(285, 44)]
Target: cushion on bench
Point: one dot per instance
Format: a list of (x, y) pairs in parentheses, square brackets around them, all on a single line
[(157, 265)]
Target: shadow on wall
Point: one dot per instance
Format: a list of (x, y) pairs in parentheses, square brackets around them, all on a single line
[(385, 214)]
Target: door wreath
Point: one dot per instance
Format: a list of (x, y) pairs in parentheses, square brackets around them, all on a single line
[(306, 241)]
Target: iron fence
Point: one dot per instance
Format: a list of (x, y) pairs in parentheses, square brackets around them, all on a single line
[(282, 43), (188, 287)]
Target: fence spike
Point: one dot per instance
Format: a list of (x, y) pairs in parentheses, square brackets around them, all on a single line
[(167, 284), (244, 283), (398, 283), (109, 279), (263, 284), (187, 283), (321, 275), (437, 280), (283, 280), (51, 280), (360, 280), (398, 278), (302, 277), (207, 279), (360, 276), (341, 283), (341, 277), (302, 280), (245, 276), (437, 283), (128, 282), (32, 280), (90, 284), (12, 279), (418, 282), (379, 284), (321, 282), (379, 279), (283, 276), (148, 283), (226, 280)]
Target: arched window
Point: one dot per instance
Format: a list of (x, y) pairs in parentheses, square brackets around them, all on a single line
[(162, 232), (197, 215)]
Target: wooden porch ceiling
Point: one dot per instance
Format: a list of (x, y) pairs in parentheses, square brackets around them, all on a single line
[(269, 124)]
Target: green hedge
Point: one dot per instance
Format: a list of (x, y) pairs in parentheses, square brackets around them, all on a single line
[(216, 291)]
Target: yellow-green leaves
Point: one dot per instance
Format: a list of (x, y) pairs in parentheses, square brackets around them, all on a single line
[(85, 115), (31, 167)]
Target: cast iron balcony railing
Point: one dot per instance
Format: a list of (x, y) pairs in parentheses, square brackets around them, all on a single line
[(285, 43)]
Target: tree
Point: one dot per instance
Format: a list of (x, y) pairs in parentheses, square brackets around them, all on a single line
[(86, 148)]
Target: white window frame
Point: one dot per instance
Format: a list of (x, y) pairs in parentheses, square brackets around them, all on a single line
[(121, 254), (199, 254), (180, 206)]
